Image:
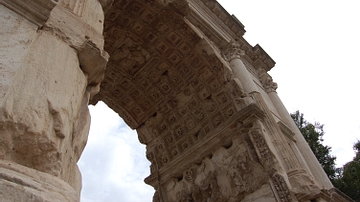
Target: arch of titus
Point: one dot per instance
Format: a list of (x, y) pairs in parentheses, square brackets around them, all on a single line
[(177, 71)]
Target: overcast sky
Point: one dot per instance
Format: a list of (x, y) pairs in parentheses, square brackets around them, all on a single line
[(316, 47)]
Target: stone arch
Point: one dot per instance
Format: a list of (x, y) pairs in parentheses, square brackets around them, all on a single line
[(155, 55), (180, 73), (169, 81)]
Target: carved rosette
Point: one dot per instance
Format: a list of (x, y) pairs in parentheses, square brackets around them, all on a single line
[(233, 51)]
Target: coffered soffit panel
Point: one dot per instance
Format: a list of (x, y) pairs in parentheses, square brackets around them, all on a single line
[(160, 59), (155, 57)]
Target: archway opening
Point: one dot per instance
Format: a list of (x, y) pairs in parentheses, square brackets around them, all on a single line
[(113, 164)]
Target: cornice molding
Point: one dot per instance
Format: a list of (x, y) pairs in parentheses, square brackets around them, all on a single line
[(229, 20), (36, 11), (261, 59), (222, 28), (214, 21)]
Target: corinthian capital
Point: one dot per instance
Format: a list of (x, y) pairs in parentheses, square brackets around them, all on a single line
[(267, 82), (233, 51)]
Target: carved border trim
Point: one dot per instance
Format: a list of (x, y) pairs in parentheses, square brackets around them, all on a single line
[(280, 188)]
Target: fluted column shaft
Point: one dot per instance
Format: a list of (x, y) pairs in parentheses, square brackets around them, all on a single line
[(308, 157)]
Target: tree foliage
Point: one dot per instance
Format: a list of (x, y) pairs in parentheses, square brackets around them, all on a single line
[(348, 179), (313, 134)]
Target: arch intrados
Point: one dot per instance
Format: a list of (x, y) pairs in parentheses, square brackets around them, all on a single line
[(164, 79), (148, 55)]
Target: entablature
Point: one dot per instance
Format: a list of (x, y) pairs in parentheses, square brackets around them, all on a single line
[(261, 59), (222, 28), (215, 22)]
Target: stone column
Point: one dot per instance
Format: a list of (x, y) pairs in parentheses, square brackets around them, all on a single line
[(309, 160), (233, 55), (52, 61)]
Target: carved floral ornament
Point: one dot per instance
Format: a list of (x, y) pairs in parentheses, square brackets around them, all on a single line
[(233, 51)]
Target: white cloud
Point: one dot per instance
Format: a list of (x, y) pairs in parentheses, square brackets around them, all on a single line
[(113, 164)]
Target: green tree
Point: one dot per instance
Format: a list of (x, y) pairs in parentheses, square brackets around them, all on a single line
[(348, 179), (313, 134)]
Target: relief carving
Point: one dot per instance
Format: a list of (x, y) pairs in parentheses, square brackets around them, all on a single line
[(281, 189), (257, 136), (228, 175)]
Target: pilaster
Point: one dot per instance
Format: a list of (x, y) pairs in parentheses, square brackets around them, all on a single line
[(305, 157), (301, 182)]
